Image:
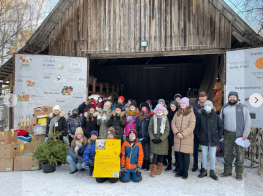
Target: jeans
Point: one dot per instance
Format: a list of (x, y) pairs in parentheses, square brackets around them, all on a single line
[(196, 146), (212, 156), (74, 164)]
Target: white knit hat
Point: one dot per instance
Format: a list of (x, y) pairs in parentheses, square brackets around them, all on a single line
[(56, 107)]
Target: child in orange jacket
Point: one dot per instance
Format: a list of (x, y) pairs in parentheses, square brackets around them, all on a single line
[(131, 161)]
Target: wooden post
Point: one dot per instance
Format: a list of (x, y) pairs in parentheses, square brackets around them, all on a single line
[(107, 89), (112, 88), (94, 84), (87, 85), (101, 88), (12, 86)]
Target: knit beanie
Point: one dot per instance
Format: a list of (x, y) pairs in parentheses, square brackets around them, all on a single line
[(75, 110), (108, 103), (94, 132), (121, 97), (159, 107), (127, 105), (178, 95), (185, 100), (207, 102), (175, 103), (134, 103), (79, 131), (91, 106), (118, 106), (132, 131), (111, 130), (56, 107), (233, 93), (161, 100)]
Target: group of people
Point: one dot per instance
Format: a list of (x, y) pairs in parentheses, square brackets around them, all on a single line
[(144, 131)]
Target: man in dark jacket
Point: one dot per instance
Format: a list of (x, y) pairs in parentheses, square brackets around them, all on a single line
[(197, 107), (209, 130)]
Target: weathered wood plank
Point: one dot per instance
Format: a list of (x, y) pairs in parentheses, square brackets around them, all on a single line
[(131, 26), (148, 24), (222, 31), (162, 23), (137, 31), (117, 27), (122, 26)]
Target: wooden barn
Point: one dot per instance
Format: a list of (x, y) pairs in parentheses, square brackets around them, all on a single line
[(150, 48)]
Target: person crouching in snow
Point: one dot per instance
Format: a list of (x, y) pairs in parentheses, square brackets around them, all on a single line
[(158, 131), (75, 157), (131, 161), (110, 135), (88, 156)]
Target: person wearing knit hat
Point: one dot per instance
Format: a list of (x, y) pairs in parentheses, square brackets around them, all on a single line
[(142, 124), (75, 153), (150, 104), (131, 165), (89, 122), (165, 111), (73, 122), (89, 153), (131, 117), (177, 97), (111, 133), (102, 120), (209, 137), (161, 101), (173, 109), (202, 97), (57, 122), (158, 131), (183, 125), (127, 107), (120, 104)]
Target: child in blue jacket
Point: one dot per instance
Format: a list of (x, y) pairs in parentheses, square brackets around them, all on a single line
[(88, 156)]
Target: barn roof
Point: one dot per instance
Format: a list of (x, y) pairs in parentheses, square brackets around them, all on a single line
[(242, 34)]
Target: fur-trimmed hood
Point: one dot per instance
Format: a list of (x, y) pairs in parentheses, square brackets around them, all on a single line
[(121, 114), (165, 111), (95, 114), (61, 114), (202, 110), (187, 111)]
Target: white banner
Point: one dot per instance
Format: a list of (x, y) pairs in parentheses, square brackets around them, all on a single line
[(48, 81), (244, 74)]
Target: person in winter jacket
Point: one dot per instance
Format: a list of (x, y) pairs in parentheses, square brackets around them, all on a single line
[(102, 120), (177, 98), (162, 102), (209, 130), (142, 124), (117, 120), (89, 153), (197, 107), (150, 104), (84, 107), (57, 122), (75, 153), (73, 122), (127, 108), (110, 135), (131, 117), (171, 113), (121, 102), (183, 125), (158, 132), (89, 122), (131, 161)]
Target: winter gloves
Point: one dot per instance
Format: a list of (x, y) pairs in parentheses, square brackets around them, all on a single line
[(123, 170), (117, 117), (156, 141), (138, 171)]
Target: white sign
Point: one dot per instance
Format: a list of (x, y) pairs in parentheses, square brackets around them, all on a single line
[(48, 81), (244, 74)]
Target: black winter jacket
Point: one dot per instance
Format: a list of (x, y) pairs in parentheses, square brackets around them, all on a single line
[(118, 124), (209, 128), (142, 129), (196, 108), (171, 134), (62, 125), (90, 125)]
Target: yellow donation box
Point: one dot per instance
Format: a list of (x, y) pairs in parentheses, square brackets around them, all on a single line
[(107, 158)]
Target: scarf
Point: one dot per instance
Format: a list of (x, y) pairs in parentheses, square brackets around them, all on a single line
[(52, 123), (143, 117), (133, 113), (215, 92), (162, 124), (78, 144)]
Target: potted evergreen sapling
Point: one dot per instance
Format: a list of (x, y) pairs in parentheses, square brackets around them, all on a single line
[(51, 152)]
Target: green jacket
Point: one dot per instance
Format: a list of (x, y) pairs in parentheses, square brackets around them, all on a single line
[(161, 148)]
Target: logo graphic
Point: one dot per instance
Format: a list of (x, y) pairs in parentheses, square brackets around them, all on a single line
[(25, 60), (259, 63), (67, 90), (30, 83), (23, 97), (10, 100)]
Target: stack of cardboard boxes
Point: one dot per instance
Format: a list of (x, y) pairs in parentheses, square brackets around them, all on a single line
[(15, 155)]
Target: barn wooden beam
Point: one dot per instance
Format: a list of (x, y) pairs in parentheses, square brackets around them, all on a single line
[(157, 54), (241, 38)]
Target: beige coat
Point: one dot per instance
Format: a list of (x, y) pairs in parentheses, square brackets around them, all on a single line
[(184, 122)]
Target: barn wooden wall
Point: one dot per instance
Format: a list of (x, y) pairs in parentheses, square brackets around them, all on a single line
[(120, 25)]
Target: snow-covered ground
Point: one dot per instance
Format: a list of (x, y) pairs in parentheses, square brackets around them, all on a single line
[(36, 183)]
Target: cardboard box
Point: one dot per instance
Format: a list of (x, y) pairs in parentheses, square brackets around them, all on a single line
[(7, 151), (8, 137), (44, 110), (6, 165), (29, 129), (38, 138), (33, 121), (25, 163), (26, 148)]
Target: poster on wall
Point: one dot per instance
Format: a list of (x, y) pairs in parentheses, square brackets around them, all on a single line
[(244, 74), (48, 81)]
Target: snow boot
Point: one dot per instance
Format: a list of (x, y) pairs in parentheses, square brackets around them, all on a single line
[(153, 170), (213, 175), (169, 167), (147, 166), (176, 169), (72, 172), (159, 168), (91, 171), (203, 173), (195, 167), (239, 177), (225, 174)]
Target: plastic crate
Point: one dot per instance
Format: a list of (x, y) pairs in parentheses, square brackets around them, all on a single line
[(39, 129)]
